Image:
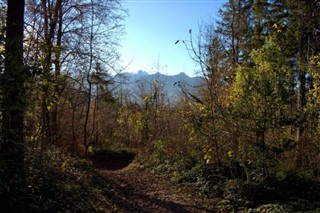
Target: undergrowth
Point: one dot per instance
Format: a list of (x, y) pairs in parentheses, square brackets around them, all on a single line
[(57, 182), (293, 193)]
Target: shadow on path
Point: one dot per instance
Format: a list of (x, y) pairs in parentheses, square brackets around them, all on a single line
[(112, 161), (136, 193), (135, 190)]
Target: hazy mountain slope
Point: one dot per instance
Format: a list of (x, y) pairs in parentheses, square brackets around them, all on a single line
[(136, 85)]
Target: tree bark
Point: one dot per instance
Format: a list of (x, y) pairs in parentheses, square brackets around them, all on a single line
[(13, 100)]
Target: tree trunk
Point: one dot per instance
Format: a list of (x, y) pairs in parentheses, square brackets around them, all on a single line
[(13, 101), (55, 131)]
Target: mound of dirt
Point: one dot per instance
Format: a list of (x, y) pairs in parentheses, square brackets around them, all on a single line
[(109, 160)]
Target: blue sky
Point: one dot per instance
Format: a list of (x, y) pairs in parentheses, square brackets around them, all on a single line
[(153, 27)]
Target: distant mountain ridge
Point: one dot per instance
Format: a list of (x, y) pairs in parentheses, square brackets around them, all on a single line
[(136, 85)]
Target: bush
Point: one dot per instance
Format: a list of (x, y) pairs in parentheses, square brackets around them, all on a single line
[(60, 183)]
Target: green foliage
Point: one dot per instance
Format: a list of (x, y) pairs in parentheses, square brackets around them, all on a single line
[(314, 100), (291, 193), (204, 178), (274, 208), (261, 98), (262, 90)]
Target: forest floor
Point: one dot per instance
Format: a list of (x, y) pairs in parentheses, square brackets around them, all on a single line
[(134, 189), (129, 187)]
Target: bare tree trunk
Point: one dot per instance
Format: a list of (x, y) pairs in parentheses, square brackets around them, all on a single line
[(13, 103), (46, 74), (55, 132), (52, 16), (86, 122)]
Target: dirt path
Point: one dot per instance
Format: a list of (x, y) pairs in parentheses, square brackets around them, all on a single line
[(135, 190), (139, 191)]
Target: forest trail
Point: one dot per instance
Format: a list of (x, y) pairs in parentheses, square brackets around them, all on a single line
[(135, 190)]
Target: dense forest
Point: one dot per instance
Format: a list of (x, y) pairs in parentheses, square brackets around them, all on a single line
[(248, 140)]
